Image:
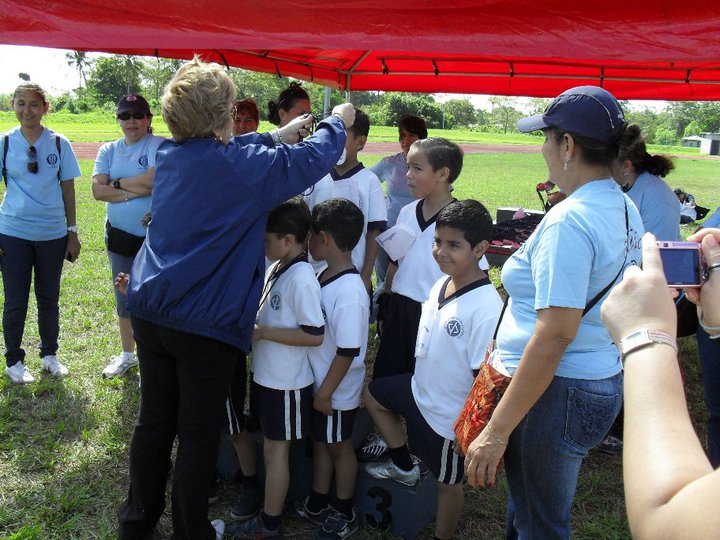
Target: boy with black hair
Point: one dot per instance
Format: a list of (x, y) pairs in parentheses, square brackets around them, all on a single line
[(457, 324), (338, 365), (352, 181), (289, 324), (433, 165)]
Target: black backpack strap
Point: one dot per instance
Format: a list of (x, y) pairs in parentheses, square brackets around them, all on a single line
[(57, 144), (6, 143)]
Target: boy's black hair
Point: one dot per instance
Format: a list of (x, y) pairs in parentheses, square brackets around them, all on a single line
[(291, 217), (441, 153), (413, 124), (341, 219), (468, 216), (361, 127)]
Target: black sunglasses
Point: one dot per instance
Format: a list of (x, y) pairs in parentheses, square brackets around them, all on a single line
[(127, 116), (32, 165)]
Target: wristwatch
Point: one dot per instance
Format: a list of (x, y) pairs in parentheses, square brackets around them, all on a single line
[(643, 338), (116, 183), (72, 229)]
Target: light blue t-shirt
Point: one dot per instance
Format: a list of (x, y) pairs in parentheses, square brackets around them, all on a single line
[(119, 160), (659, 207), (393, 171), (714, 220), (33, 207), (575, 252)]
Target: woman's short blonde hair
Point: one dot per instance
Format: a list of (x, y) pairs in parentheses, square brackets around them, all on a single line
[(197, 100)]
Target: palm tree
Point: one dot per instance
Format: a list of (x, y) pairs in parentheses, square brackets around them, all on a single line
[(80, 62), (133, 68)]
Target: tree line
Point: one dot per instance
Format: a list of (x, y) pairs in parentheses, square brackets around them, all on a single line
[(103, 81)]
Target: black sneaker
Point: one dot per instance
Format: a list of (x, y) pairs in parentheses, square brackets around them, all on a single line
[(248, 503), (374, 449), (611, 445), (318, 518), (337, 526)]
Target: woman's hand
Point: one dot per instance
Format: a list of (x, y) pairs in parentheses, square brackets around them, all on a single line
[(73, 247), (297, 129), (708, 296), (347, 112), (483, 457), (642, 300)]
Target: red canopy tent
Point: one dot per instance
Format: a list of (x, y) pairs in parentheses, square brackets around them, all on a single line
[(642, 50)]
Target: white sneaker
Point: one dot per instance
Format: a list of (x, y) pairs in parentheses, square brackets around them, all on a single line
[(219, 526), (19, 374), (51, 365), (119, 365), (374, 449)]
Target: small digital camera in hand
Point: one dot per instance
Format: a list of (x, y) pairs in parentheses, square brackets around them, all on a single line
[(682, 263)]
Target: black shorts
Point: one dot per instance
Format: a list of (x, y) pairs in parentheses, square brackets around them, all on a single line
[(333, 429), (285, 415), (395, 393), (235, 403), (396, 352)]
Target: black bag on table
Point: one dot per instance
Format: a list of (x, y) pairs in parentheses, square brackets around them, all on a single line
[(121, 242)]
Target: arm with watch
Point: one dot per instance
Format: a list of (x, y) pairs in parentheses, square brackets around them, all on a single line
[(140, 185), (73, 243), (103, 189), (671, 490)]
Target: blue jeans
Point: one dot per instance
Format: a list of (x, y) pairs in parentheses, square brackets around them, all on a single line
[(546, 450), (709, 350), (20, 259)]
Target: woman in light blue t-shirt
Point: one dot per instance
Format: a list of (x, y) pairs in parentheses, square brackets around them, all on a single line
[(37, 228), (566, 386), (123, 178)]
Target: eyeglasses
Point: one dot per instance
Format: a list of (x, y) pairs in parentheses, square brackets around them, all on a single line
[(32, 165), (127, 116)]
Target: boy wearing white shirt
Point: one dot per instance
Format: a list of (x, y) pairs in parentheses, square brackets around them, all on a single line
[(338, 366), (455, 328), (289, 324)]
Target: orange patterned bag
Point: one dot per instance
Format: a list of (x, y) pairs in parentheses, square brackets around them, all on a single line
[(486, 391)]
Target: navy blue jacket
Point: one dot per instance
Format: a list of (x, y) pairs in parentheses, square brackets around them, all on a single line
[(202, 265)]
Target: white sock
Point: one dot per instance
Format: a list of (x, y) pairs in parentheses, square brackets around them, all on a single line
[(128, 355)]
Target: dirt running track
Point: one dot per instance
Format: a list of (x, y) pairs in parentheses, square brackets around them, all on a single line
[(89, 150)]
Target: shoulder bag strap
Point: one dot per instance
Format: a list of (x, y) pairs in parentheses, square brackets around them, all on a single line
[(6, 144), (57, 144)]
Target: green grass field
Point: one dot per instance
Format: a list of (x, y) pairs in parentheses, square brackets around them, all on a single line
[(64, 444)]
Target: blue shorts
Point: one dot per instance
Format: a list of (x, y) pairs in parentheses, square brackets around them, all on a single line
[(395, 393), (285, 415), (333, 429)]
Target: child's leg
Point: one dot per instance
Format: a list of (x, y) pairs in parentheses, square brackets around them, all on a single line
[(449, 509), (245, 451), (277, 475), (322, 468), (389, 423), (345, 465)]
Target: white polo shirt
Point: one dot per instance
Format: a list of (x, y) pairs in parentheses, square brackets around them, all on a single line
[(345, 306), (290, 299), (452, 338)]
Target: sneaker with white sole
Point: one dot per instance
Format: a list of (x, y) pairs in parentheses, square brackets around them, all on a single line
[(318, 518), (119, 365), (219, 526), (337, 526), (389, 471), (51, 365), (19, 374), (375, 448)]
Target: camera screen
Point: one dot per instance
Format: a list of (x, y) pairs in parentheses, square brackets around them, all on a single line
[(681, 266)]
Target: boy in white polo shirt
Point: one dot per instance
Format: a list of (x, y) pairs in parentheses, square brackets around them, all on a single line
[(455, 328), (338, 367), (289, 324)]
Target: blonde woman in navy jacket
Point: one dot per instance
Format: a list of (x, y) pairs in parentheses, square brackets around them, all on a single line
[(196, 282)]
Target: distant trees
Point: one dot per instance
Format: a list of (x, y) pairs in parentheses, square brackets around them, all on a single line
[(79, 61), (113, 77)]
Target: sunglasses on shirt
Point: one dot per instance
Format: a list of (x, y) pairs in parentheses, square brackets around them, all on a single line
[(127, 116), (32, 165)]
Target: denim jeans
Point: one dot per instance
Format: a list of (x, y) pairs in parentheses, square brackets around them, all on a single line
[(709, 350), (185, 383), (20, 259), (545, 451)]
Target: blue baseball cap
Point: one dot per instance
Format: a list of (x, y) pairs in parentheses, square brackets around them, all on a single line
[(133, 103), (590, 111)]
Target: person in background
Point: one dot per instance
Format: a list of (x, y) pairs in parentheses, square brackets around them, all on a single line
[(671, 489), (37, 229), (393, 171), (246, 117), (196, 283), (640, 175), (123, 178), (688, 211), (566, 386)]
